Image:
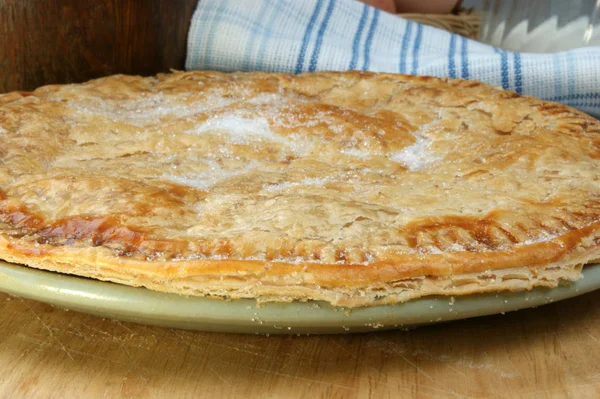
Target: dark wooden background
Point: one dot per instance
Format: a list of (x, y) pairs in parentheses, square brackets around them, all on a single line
[(64, 41)]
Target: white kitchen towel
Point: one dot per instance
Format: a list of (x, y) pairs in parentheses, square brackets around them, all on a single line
[(312, 35)]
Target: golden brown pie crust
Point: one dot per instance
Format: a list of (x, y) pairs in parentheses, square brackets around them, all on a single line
[(353, 188)]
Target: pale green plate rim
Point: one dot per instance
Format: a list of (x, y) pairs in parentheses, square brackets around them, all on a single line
[(144, 306)]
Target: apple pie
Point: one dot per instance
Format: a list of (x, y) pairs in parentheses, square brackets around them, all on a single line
[(353, 188)]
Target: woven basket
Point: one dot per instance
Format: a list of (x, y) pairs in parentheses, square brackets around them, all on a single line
[(465, 22)]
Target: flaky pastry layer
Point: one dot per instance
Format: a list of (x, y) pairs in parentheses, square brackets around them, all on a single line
[(354, 188)]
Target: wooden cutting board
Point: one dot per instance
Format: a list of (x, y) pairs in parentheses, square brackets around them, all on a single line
[(549, 352)]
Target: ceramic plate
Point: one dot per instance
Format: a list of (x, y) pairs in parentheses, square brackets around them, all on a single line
[(244, 316)]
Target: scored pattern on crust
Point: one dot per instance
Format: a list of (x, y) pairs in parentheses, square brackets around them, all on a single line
[(427, 176)]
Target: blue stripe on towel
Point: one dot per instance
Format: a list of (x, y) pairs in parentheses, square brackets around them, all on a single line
[(503, 67), (518, 74), (369, 40), (451, 51), (357, 36), (320, 33), (416, 49), (404, 48), (307, 33), (464, 58)]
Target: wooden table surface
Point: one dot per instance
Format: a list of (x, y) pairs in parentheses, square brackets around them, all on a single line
[(549, 352)]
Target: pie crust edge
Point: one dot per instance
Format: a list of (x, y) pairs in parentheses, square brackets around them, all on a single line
[(396, 279)]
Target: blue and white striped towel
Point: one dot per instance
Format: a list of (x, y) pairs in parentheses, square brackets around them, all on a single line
[(311, 35)]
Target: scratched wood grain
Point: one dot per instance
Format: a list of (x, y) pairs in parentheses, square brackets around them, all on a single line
[(549, 352)]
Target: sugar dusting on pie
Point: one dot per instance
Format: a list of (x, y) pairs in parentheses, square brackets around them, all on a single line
[(415, 156), (353, 188)]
